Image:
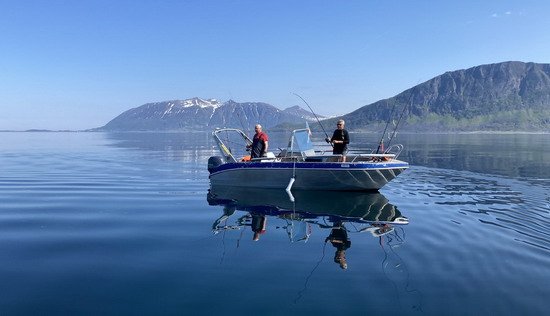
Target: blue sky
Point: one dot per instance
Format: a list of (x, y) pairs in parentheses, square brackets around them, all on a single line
[(78, 64)]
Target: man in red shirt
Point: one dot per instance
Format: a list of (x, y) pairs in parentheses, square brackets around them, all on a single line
[(259, 143)]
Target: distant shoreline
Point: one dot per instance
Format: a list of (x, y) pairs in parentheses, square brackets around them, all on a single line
[(278, 131), (40, 131)]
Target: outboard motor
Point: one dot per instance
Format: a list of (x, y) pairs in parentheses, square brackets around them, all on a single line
[(214, 162)]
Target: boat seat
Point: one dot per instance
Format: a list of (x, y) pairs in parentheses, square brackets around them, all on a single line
[(269, 156), (308, 153)]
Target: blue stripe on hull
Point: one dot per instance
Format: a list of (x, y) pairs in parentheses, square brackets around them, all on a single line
[(308, 165)]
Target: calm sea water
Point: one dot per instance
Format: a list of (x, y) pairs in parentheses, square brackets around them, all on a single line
[(124, 224)]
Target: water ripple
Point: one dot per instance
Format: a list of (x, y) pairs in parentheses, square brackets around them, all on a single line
[(504, 203)]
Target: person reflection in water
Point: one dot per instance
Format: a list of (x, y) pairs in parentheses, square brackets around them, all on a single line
[(339, 239), (258, 225)]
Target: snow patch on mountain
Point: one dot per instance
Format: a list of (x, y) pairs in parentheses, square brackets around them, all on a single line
[(201, 103), (179, 106)]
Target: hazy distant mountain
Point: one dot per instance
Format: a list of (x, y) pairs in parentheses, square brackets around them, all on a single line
[(508, 96), (299, 112), (199, 114)]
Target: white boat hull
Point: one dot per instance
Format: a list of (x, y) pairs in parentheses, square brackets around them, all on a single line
[(321, 176)]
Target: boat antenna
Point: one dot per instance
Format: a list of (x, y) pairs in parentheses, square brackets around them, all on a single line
[(318, 121), (401, 116)]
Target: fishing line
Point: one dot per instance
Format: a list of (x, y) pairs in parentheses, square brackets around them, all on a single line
[(239, 239), (407, 278), (301, 292), (293, 200), (293, 178), (401, 263), (223, 247)]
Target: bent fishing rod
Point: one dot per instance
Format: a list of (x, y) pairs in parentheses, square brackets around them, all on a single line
[(318, 121)]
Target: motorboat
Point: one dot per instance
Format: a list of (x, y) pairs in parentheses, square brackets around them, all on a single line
[(300, 165)]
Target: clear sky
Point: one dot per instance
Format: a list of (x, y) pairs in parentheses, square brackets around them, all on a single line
[(78, 64)]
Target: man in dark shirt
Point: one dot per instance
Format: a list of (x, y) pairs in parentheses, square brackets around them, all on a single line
[(339, 140), (259, 143)]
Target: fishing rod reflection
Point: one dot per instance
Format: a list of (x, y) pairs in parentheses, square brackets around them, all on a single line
[(339, 213)]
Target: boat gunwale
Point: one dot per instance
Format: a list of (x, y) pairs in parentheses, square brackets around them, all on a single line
[(333, 166)]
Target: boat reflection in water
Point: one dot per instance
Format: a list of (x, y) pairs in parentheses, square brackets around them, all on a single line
[(337, 212)]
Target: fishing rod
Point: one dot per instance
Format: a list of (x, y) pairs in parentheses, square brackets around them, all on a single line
[(385, 128), (389, 119), (401, 116), (241, 120), (318, 121), (245, 129), (293, 178)]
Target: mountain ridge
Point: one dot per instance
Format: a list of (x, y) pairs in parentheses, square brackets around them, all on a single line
[(506, 96), (201, 114)]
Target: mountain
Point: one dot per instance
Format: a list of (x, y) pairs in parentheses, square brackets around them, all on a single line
[(166, 115), (299, 112), (200, 114), (246, 115), (508, 96)]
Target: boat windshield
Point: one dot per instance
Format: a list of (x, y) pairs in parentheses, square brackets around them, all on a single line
[(301, 142), (232, 143)]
